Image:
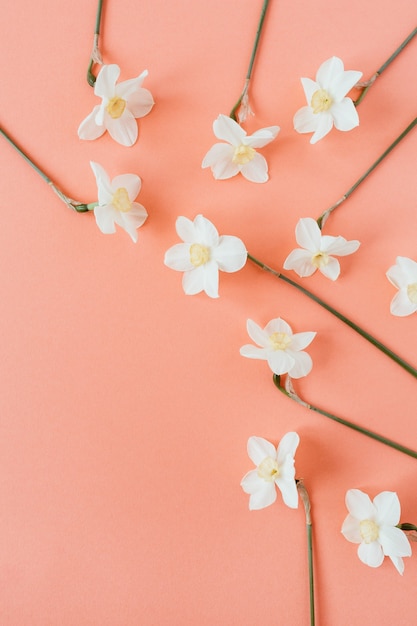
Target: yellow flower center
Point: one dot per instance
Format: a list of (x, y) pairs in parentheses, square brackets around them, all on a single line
[(121, 200), (199, 254), (369, 530), (115, 107), (243, 154), (268, 469), (412, 293), (321, 101), (280, 341), (319, 259)]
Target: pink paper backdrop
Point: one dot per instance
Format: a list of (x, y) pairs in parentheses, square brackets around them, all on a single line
[(125, 405)]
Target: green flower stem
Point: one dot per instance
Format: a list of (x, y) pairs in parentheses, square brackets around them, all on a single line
[(323, 217), (409, 368), (95, 55), (307, 507), (368, 84), (72, 204), (364, 431), (252, 60)]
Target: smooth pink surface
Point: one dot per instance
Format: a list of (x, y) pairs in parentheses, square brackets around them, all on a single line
[(125, 405)]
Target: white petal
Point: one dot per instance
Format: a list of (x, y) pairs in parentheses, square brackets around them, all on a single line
[(305, 121), (394, 541), (137, 215), (343, 83), (105, 192), (397, 277), (106, 81), (206, 232), (351, 529), (287, 446), (178, 258), (211, 279), (388, 508), (345, 115), (308, 234), (252, 352), (288, 489), (310, 87), (259, 448), (263, 498), (186, 230), (128, 225), (140, 103), (399, 563), (331, 269), (130, 182), (280, 362), (219, 158), (359, 505), (299, 341), (193, 281), (324, 126), (338, 245), (251, 483), (302, 364), (329, 71), (105, 219), (262, 137), (228, 130), (371, 554), (299, 260), (256, 170), (128, 87), (89, 129), (278, 325), (230, 254), (258, 334), (409, 267), (124, 129), (401, 305)]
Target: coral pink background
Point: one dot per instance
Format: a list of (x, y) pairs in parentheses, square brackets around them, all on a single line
[(125, 405)]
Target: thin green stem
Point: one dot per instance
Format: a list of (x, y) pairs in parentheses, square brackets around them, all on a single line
[(323, 217), (95, 56), (364, 431), (252, 60), (392, 355), (368, 84), (72, 204), (309, 527)]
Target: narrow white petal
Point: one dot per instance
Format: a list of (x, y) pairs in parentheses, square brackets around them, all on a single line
[(401, 305), (359, 505), (343, 83), (126, 88), (339, 245), (310, 87), (256, 170), (211, 279), (324, 126), (331, 269), (289, 492), (280, 362), (329, 71), (130, 182), (258, 334), (262, 137), (398, 563), (388, 508), (299, 341), (259, 448), (278, 325), (228, 130), (252, 352), (140, 103), (394, 541), (137, 215), (128, 225), (105, 192), (219, 159), (105, 219), (230, 254), (351, 529), (397, 277), (193, 281), (106, 81), (305, 121), (287, 446), (371, 554), (186, 230), (206, 231), (263, 498), (308, 234), (302, 366), (89, 129), (299, 260), (345, 115), (251, 483), (124, 129), (409, 267)]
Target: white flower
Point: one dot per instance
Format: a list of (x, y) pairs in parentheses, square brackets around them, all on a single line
[(373, 526), (280, 347), (316, 250), (238, 154), (116, 202), (203, 254), (119, 107), (403, 275), (326, 101), (273, 467)]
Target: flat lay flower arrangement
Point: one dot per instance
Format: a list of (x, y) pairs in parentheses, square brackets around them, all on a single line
[(288, 219)]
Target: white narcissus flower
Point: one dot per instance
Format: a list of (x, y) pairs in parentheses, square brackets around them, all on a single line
[(120, 105), (238, 154), (203, 253), (327, 104), (317, 250), (374, 526), (274, 467), (403, 275), (280, 347), (116, 202)]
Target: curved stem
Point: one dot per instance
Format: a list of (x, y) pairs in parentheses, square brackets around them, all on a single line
[(323, 217), (72, 204), (290, 393), (368, 84), (252, 60), (378, 344), (309, 527), (95, 56)]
